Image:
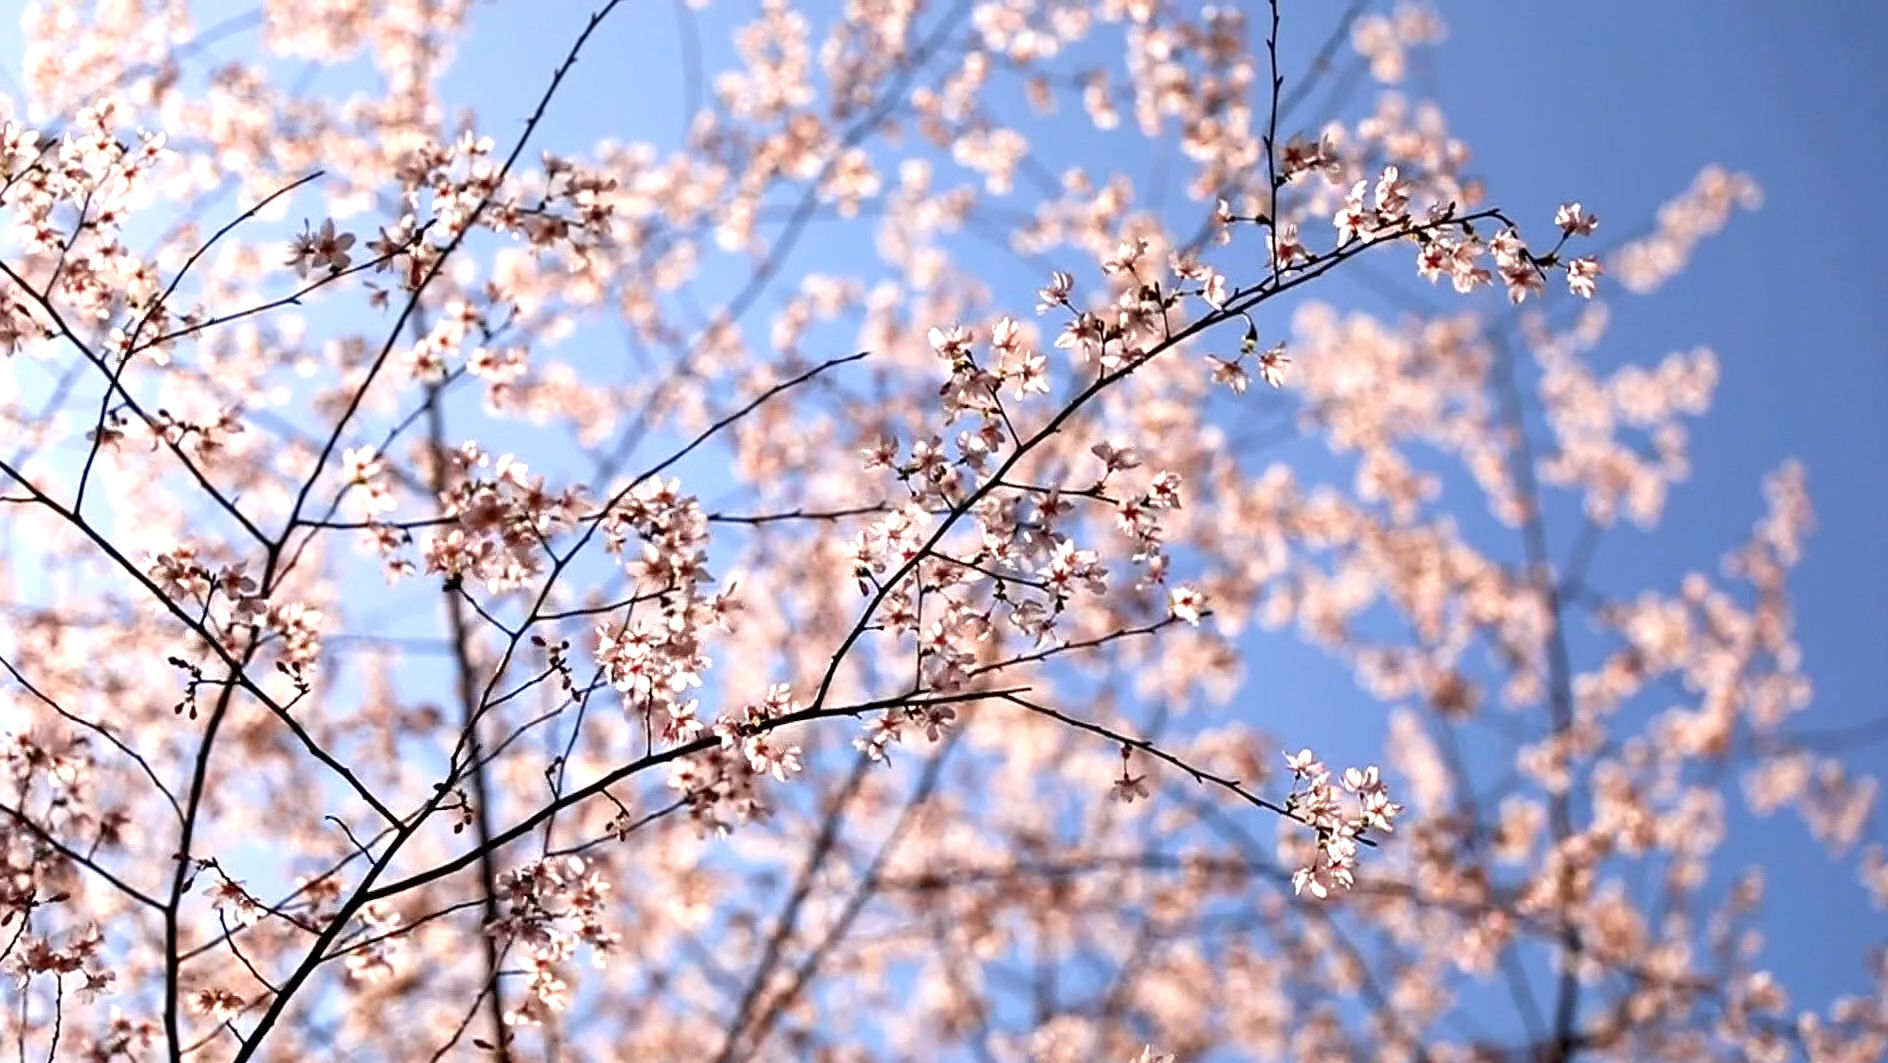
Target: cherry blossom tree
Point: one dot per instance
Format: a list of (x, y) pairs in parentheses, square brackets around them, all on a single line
[(789, 591)]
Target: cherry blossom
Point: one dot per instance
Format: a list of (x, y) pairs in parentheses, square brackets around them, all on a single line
[(667, 596)]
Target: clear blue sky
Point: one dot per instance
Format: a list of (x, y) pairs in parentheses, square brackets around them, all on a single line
[(1617, 103)]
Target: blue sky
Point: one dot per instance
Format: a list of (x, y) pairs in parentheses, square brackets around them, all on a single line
[(1618, 104)]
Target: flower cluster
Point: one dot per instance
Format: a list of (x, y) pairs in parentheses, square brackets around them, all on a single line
[(656, 658), (722, 784), (932, 718), (1339, 823), (502, 524), (80, 953), (551, 907)]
